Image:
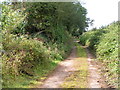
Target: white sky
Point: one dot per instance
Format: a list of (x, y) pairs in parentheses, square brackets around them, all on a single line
[(103, 12)]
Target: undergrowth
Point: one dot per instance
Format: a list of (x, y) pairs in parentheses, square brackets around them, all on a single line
[(28, 58)]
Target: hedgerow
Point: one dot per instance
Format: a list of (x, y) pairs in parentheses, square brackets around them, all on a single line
[(26, 57), (104, 42), (107, 51)]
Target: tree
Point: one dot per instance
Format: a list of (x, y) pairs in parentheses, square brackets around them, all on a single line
[(42, 16)]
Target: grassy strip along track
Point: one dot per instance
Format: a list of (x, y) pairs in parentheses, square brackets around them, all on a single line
[(79, 78)]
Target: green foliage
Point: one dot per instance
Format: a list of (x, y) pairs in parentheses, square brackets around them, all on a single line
[(107, 51), (110, 42), (39, 16), (10, 19), (91, 38), (79, 50), (43, 16), (23, 55), (29, 56), (35, 37), (104, 41), (85, 38), (75, 21), (62, 38)]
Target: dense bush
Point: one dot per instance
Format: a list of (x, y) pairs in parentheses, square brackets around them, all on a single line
[(91, 38), (107, 51), (22, 55), (29, 55), (104, 41)]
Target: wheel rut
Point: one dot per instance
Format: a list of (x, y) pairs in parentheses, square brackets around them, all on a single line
[(95, 79), (66, 68), (63, 70)]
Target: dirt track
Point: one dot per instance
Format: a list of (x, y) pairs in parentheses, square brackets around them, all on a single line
[(95, 79), (65, 68)]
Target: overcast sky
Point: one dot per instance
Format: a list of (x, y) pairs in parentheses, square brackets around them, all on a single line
[(103, 12)]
